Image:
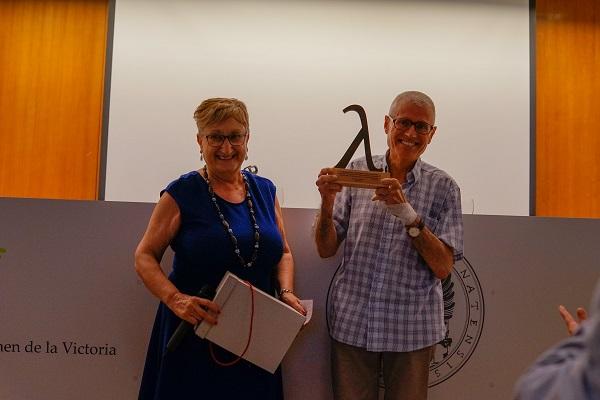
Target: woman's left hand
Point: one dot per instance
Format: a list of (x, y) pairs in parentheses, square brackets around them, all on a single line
[(291, 300)]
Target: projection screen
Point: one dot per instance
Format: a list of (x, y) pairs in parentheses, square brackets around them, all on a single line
[(297, 64)]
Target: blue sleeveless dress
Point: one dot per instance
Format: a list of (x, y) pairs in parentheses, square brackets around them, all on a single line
[(203, 253)]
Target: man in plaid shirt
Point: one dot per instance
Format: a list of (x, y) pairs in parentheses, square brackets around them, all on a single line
[(401, 240)]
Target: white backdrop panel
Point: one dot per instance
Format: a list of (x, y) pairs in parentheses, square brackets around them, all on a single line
[(297, 64), (67, 276)]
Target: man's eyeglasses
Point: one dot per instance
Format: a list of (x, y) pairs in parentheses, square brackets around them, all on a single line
[(236, 139), (404, 124)]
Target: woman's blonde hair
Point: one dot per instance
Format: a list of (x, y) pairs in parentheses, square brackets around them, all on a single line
[(218, 109)]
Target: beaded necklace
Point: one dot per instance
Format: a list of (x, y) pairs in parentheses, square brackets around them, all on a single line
[(228, 229)]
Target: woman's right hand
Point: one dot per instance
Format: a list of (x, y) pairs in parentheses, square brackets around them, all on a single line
[(193, 309)]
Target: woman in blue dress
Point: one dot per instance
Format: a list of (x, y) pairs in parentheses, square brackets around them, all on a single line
[(216, 219)]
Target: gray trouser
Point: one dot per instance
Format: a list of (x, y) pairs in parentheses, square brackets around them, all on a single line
[(355, 373)]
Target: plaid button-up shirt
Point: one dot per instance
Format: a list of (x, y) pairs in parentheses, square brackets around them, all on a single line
[(384, 296)]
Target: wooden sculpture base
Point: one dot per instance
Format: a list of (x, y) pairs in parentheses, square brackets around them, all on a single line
[(359, 178)]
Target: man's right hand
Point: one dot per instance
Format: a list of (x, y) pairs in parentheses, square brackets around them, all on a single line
[(327, 185), (325, 235)]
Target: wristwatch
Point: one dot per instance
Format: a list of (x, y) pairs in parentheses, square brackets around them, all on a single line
[(415, 230)]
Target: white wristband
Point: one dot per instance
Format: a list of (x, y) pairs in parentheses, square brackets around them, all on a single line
[(404, 212)]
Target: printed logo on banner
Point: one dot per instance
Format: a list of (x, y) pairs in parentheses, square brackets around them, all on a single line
[(463, 316)]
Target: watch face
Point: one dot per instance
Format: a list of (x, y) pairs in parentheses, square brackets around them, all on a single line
[(414, 231)]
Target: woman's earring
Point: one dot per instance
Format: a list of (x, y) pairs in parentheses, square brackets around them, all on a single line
[(246, 158), (201, 156)]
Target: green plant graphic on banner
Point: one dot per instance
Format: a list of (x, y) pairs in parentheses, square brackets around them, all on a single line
[(2, 251)]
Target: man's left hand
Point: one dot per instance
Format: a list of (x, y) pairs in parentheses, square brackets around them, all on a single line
[(391, 193)]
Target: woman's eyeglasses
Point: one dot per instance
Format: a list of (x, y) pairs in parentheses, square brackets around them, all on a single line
[(236, 139)]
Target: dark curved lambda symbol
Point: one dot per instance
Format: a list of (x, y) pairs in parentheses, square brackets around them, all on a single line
[(363, 135)]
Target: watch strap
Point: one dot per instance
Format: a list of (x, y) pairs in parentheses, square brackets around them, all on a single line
[(418, 223)]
